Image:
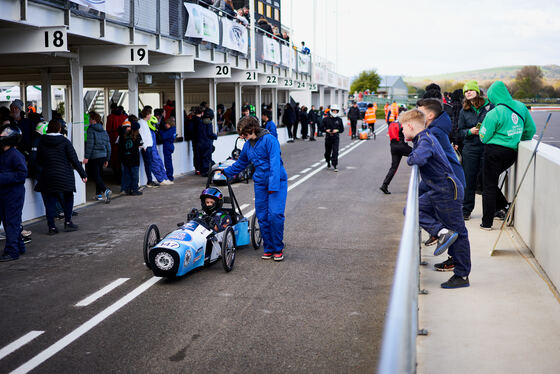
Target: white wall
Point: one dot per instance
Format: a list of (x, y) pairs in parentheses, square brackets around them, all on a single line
[(537, 210)]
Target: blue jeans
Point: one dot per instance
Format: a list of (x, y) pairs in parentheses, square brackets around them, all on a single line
[(129, 180), (147, 156)]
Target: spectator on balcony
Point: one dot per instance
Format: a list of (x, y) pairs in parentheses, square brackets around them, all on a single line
[(246, 13), (228, 8), (304, 49), (241, 18), (264, 25), (285, 36)]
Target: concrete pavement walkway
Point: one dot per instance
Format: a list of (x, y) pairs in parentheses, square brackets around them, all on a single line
[(507, 321)]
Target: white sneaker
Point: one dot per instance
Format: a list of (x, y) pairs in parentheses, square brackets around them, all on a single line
[(166, 182)]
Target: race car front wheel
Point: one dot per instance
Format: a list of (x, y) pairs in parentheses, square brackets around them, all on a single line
[(151, 238), (256, 238), (228, 249)]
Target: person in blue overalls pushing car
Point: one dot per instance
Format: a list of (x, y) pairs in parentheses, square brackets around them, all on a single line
[(271, 183)]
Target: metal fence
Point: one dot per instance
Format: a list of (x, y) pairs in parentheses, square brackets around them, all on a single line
[(398, 352)]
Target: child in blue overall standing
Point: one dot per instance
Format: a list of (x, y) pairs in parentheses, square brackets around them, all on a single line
[(13, 172), (270, 181), (440, 207)]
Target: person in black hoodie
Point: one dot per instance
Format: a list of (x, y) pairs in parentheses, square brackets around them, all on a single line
[(333, 127), (313, 119), (303, 119), (204, 141), (129, 142), (354, 116), (58, 160), (289, 119)]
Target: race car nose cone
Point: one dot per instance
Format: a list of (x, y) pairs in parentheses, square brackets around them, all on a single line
[(164, 261)]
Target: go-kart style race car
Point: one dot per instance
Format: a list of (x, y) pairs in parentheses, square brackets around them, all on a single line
[(195, 243), (244, 176), (365, 132)]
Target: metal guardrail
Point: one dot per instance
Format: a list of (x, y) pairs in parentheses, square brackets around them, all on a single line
[(398, 351)]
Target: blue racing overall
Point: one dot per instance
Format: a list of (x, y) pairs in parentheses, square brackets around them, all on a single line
[(271, 186)]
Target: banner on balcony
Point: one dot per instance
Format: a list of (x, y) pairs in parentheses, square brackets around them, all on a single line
[(287, 53), (271, 50), (235, 36), (202, 23), (304, 62), (111, 7)]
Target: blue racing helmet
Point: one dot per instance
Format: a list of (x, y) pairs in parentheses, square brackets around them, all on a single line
[(216, 195)]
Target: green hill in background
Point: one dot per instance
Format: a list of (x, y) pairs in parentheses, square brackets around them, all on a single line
[(505, 73)]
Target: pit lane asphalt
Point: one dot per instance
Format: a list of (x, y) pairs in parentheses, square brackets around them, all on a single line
[(320, 310)]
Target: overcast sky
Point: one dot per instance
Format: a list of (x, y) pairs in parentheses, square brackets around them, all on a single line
[(426, 37)]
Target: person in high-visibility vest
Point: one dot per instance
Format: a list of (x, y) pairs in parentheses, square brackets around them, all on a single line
[(393, 112), (369, 118), (386, 112)]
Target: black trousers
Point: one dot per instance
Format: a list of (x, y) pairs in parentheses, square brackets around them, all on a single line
[(312, 130), (472, 164), (304, 129), (497, 159), (353, 123), (95, 171), (331, 149), (51, 198), (398, 150), (292, 130)]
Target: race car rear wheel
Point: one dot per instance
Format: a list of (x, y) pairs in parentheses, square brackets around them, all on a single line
[(151, 238), (256, 238), (228, 249)]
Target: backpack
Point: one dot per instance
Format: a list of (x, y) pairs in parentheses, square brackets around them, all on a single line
[(394, 129)]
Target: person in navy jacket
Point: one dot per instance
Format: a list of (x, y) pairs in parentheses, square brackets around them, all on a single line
[(440, 126), (204, 142), (13, 172), (440, 207), (270, 183)]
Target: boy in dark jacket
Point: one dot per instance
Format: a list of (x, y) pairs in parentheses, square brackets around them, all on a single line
[(12, 191), (168, 133), (97, 155), (440, 207), (129, 153)]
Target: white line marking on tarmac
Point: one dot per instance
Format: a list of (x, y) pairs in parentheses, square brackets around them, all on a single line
[(320, 168), (249, 213), (354, 146), (305, 170), (244, 206), (294, 177), (102, 292), (316, 164), (85, 327), (17, 344)]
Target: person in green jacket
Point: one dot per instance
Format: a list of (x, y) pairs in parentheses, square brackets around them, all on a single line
[(501, 131)]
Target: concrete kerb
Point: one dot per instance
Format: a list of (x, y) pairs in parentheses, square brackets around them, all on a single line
[(508, 320)]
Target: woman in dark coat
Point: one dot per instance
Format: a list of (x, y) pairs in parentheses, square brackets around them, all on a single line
[(289, 119), (58, 160)]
